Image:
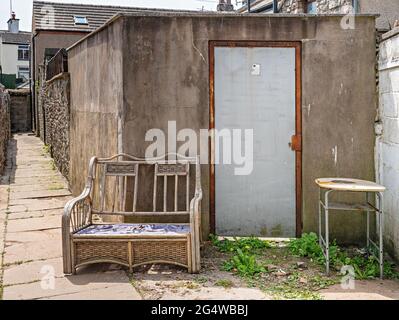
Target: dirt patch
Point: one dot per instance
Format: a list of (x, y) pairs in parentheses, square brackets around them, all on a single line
[(285, 277), (172, 282)]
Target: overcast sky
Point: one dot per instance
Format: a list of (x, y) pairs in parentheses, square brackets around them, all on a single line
[(23, 8)]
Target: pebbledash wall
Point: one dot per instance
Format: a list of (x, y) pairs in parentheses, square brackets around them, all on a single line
[(387, 130), (322, 6), (388, 10), (54, 100), (141, 70), (5, 125)]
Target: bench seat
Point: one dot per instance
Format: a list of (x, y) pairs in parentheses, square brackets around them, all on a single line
[(130, 229)]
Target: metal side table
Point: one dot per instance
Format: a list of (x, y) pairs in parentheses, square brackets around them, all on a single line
[(330, 185)]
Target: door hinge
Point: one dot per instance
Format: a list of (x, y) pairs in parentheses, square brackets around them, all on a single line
[(296, 142)]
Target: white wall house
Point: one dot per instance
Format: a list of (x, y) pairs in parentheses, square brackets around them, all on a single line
[(15, 51)]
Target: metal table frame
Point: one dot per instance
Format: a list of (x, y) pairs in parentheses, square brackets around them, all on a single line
[(367, 207)]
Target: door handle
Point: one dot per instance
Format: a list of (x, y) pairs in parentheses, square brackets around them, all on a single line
[(296, 143)]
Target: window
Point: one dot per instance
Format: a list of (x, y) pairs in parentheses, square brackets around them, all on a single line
[(23, 52), (312, 7), (79, 20), (23, 73)]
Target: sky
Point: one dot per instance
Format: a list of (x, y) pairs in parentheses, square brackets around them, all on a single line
[(23, 8)]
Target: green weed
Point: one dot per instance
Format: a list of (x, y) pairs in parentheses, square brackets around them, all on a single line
[(225, 283), (244, 264), (251, 244), (366, 266)]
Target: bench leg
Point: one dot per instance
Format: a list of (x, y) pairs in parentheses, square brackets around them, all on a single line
[(130, 256)]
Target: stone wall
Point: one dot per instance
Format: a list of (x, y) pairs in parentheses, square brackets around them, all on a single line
[(21, 115), (41, 89), (387, 130), (55, 101), (4, 125)]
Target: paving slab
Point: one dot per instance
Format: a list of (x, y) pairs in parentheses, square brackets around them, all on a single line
[(81, 285), (43, 181), (16, 252), (48, 186), (109, 293), (34, 214), (32, 271), (39, 194), (34, 236), (25, 205), (32, 198), (364, 290), (34, 224)]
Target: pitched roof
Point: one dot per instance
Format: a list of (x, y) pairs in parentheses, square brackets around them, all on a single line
[(64, 14), (21, 37)]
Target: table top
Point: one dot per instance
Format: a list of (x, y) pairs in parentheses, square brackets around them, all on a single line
[(345, 184)]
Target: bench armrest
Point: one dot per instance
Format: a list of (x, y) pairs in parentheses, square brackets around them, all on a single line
[(77, 215), (77, 212)]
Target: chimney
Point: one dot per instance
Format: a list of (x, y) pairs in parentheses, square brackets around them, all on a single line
[(13, 24), (225, 5)]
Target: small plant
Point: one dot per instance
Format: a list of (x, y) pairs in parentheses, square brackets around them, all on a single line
[(251, 244), (244, 264), (56, 187), (46, 149), (365, 266), (225, 283), (192, 285), (52, 165), (306, 246), (201, 279)]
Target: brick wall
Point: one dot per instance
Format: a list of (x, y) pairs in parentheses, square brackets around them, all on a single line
[(387, 130), (4, 125)]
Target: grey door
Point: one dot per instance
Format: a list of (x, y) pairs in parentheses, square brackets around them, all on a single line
[(255, 89)]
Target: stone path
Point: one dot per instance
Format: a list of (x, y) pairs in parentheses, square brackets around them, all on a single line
[(32, 197)]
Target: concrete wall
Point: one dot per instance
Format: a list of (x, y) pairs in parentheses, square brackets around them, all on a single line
[(20, 106), (95, 66), (56, 103), (387, 151), (165, 77), (4, 126)]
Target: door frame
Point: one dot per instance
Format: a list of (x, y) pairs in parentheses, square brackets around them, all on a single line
[(296, 140)]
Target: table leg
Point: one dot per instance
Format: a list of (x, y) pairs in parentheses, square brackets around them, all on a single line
[(381, 230), (320, 242), (326, 233), (368, 223)]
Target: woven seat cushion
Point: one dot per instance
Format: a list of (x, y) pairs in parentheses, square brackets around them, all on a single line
[(142, 229)]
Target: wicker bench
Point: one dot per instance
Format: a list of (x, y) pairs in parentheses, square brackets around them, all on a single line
[(126, 187)]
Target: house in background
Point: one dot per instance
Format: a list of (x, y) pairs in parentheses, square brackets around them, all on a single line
[(387, 9), (59, 25), (14, 55)]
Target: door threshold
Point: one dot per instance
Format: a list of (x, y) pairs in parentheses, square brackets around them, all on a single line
[(260, 238)]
